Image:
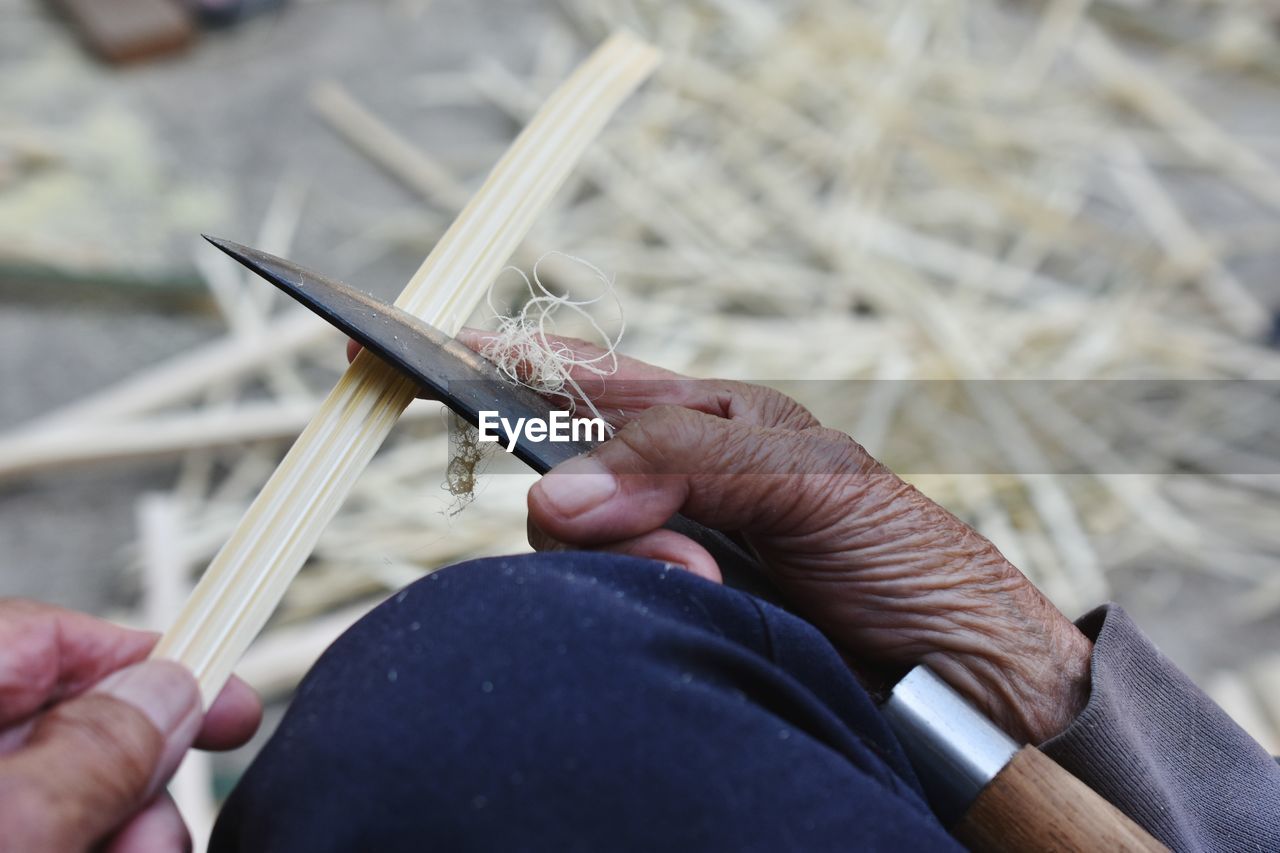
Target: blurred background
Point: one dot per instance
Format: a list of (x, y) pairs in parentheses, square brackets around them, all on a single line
[(1031, 193)]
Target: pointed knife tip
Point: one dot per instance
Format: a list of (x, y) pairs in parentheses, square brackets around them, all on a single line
[(220, 244), (231, 247)]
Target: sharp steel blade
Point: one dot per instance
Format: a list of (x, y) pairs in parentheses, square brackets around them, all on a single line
[(461, 379), (465, 382)]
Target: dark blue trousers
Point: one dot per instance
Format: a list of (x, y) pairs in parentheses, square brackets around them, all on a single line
[(579, 701)]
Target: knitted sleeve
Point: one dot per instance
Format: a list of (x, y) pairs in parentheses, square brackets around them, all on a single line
[(1159, 749)]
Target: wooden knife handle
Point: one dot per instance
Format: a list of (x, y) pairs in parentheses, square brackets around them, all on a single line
[(1035, 805)]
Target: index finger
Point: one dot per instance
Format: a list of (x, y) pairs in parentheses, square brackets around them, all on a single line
[(48, 653), (636, 386)]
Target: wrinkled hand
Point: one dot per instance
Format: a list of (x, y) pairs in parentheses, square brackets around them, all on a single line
[(891, 577), (89, 735)]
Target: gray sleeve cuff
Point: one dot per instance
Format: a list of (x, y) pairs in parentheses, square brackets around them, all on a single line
[(1158, 748)]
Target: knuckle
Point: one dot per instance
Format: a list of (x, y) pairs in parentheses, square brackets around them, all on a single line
[(775, 409), (670, 414), (845, 455), (793, 415), (680, 441), (760, 405), (29, 673), (662, 432)]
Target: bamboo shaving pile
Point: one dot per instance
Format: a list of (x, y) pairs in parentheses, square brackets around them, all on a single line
[(824, 191), (938, 191)]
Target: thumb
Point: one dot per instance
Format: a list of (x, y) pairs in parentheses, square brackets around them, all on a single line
[(90, 763)]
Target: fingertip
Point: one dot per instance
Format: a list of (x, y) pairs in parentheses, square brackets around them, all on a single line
[(474, 338), (703, 565), (353, 349), (232, 719), (540, 541), (667, 546)]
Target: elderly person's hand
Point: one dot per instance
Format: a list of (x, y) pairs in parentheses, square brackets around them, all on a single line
[(89, 735), (891, 577)]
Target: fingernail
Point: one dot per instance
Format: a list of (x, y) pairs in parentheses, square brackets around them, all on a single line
[(472, 336), (576, 486), (162, 690)]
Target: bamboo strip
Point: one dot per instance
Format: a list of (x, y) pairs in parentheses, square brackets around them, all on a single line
[(247, 315), (1240, 309), (164, 569), (184, 377), (390, 151), (1187, 125), (246, 580), (396, 155), (162, 435)]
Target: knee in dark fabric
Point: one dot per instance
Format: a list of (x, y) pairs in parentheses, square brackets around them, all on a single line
[(571, 701)]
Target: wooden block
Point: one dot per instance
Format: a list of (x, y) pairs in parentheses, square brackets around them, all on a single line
[(121, 31)]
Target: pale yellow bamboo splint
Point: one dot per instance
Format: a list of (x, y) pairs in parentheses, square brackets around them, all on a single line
[(248, 577)]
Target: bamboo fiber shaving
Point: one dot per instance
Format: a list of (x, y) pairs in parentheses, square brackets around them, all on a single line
[(525, 355)]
